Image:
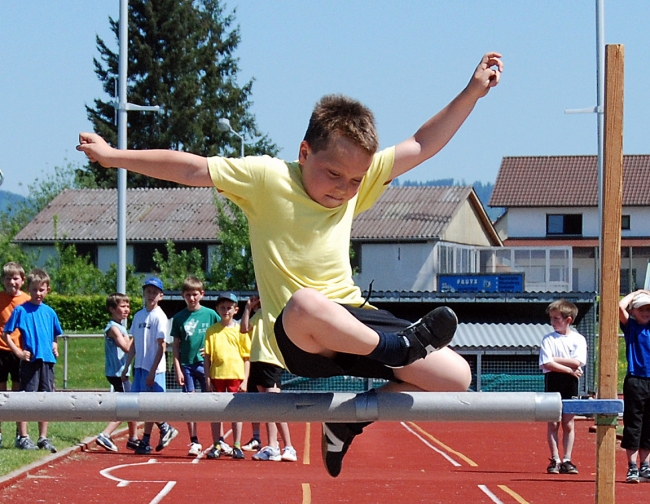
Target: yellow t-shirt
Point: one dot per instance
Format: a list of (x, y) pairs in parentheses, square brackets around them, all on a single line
[(7, 305), (295, 241), (261, 349), (227, 349)]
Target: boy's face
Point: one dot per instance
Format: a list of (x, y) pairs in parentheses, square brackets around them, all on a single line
[(12, 283), (121, 312), (559, 323), (227, 310), (332, 176), (193, 299), (152, 295), (642, 314), (38, 291)]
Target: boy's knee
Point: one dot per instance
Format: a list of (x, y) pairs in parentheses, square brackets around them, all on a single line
[(303, 301)]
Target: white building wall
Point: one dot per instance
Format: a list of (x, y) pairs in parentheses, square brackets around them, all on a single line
[(531, 222), (404, 266)]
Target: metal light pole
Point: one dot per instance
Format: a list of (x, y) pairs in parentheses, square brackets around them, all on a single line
[(600, 115), (122, 108), (224, 125)]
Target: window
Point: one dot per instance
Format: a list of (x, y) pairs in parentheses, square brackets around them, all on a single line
[(88, 250), (564, 224), (625, 223)]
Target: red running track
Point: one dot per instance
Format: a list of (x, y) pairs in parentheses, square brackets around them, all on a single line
[(391, 462)]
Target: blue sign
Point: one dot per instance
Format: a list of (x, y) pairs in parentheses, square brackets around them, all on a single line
[(482, 282)]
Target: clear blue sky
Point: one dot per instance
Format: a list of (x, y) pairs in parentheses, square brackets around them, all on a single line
[(405, 59)]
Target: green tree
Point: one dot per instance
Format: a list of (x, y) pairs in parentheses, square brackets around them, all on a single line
[(232, 268), (181, 57), (176, 266), (71, 273), (133, 281)]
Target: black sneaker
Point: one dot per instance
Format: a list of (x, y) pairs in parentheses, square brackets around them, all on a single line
[(432, 332), (166, 436), (644, 471), (45, 444), (143, 449), (214, 453), (553, 467), (336, 440), (568, 468), (632, 474), (237, 454), (132, 444), (25, 443)]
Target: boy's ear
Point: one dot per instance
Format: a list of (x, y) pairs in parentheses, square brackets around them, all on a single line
[(303, 151)]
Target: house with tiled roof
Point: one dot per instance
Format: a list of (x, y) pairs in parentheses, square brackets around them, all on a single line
[(553, 201), (399, 242)]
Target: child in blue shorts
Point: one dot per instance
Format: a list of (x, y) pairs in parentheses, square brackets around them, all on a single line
[(149, 329), (39, 328), (188, 330)]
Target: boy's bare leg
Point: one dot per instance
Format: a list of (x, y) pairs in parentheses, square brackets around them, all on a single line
[(552, 437), (568, 435), (318, 325)]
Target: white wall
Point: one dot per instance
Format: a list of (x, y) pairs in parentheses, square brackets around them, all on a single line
[(404, 266)]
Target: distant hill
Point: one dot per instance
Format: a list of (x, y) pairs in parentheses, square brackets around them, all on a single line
[(483, 191), (9, 199)]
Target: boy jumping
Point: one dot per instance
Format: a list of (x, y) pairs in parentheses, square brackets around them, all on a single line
[(300, 217)]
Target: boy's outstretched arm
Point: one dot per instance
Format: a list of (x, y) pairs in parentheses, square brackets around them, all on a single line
[(180, 167), (437, 131)]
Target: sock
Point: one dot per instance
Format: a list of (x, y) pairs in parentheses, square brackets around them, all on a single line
[(566, 459), (194, 439), (256, 434), (632, 465), (146, 438), (389, 350), (237, 445)]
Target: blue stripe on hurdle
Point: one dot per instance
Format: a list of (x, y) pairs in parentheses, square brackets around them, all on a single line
[(592, 406)]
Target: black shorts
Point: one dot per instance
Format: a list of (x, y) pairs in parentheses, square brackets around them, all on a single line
[(636, 413), (9, 366), (265, 375), (116, 382), (563, 383), (37, 376), (310, 365)]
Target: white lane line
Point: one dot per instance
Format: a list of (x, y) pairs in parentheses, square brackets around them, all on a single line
[(487, 492), (445, 455)]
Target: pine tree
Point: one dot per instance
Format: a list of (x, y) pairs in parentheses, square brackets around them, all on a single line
[(180, 57)]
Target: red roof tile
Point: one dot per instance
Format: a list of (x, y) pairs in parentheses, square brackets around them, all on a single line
[(544, 181)]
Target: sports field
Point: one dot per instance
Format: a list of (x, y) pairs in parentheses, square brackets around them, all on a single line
[(391, 462)]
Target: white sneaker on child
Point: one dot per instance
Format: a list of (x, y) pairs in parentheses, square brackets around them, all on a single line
[(289, 454), (195, 449), (268, 453)]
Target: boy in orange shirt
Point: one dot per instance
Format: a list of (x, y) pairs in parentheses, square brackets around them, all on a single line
[(13, 278)]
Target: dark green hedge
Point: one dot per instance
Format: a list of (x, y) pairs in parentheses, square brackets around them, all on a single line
[(82, 313)]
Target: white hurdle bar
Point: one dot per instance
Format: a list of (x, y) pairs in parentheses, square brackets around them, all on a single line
[(284, 407)]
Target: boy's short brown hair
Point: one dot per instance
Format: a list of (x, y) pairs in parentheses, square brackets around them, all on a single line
[(114, 300), (192, 283), (340, 115), (38, 276), (566, 308), (12, 268)]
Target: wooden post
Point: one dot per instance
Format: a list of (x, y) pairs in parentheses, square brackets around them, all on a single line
[(612, 188)]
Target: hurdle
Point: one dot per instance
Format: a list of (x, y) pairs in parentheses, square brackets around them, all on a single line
[(296, 407)]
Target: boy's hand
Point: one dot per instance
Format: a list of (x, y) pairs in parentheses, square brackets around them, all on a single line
[(486, 75), (96, 148), (26, 356)]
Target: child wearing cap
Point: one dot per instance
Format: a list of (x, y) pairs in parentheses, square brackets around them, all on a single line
[(634, 315), (226, 364), (149, 329)]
